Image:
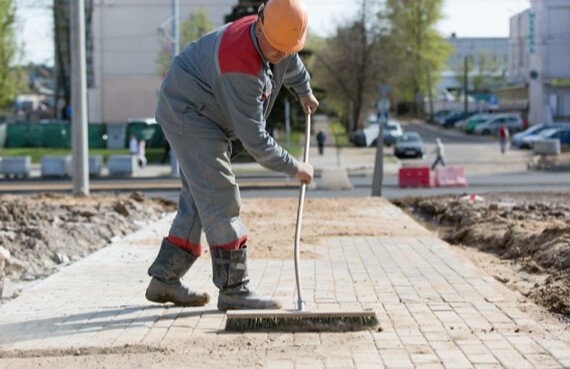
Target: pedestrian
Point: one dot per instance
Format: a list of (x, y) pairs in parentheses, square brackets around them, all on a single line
[(503, 138), (220, 88), (439, 152), (133, 145), (321, 137), (141, 152)]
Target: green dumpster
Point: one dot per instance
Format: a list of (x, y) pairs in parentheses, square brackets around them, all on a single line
[(97, 136), (147, 130), (56, 135), (17, 135)]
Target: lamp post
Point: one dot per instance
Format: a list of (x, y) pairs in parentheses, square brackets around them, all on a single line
[(79, 98)]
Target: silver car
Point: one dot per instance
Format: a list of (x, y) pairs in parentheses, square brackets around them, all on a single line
[(513, 122)]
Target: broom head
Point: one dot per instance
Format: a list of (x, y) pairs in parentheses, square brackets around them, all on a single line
[(299, 321)]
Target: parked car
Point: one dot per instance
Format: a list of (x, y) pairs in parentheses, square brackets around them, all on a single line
[(462, 123), (410, 145), (438, 115), (368, 136), (517, 139), (392, 130), (451, 120), (513, 122), (440, 120), (563, 134), (468, 125)]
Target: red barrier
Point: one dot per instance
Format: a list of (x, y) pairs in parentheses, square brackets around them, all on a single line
[(414, 177), (450, 177)]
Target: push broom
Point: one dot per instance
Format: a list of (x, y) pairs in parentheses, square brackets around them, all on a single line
[(299, 320)]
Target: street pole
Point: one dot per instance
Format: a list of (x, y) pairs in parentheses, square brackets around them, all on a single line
[(383, 109), (174, 169), (378, 177), (465, 83), (79, 99), (430, 95)]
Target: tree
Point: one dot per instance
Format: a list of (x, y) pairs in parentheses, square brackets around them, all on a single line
[(8, 74), (350, 65), (61, 25), (485, 72), (196, 25), (419, 48)]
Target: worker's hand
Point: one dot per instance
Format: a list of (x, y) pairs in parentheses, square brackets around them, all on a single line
[(309, 104), (305, 173)]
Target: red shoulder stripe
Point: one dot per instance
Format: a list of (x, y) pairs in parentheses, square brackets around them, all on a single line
[(237, 52)]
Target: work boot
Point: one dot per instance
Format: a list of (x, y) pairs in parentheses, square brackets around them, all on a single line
[(170, 265), (230, 276)]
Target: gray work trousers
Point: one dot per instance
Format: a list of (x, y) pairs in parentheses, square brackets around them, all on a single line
[(209, 198)]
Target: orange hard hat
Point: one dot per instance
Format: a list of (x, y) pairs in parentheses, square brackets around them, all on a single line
[(284, 24)]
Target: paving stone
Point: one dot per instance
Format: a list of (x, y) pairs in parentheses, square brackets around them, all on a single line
[(435, 309)]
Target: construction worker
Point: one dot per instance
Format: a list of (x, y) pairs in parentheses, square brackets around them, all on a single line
[(220, 88)]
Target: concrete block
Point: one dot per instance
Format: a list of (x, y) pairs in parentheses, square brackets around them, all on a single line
[(334, 179), (122, 165), (547, 147), (56, 166), (95, 165), (17, 166)]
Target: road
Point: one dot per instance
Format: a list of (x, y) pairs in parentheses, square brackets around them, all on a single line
[(486, 170), (478, 155)]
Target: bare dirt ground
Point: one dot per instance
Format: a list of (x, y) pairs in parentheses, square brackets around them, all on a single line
[(271, 223), (45, 232), (522, 239)]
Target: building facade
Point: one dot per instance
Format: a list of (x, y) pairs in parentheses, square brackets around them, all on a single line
[(126, 44), (494, 47), (539, 59)]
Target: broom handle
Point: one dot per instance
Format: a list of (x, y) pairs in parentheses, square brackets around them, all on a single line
[(300, 301)]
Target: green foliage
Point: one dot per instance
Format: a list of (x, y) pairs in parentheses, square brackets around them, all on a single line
[(394, 42), (420, 47), (485, 73), (350, 64), (196, 25), (8, 74)]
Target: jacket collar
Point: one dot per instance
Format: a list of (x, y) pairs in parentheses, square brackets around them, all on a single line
[(254, 40)]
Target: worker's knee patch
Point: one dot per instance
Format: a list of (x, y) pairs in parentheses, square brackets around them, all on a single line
[(233, 245), (195, 249)]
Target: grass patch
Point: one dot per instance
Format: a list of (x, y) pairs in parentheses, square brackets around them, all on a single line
[(153, 155)]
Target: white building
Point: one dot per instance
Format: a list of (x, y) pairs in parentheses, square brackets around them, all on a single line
[(539, 58), (125, 48), (472, 47)]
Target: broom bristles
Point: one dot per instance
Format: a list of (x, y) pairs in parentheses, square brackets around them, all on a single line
[(300, 321)]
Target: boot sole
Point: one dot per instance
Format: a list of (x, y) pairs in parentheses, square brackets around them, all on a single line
[(164, 300)]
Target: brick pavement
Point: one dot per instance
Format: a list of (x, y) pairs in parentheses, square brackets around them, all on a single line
[(436, 309)]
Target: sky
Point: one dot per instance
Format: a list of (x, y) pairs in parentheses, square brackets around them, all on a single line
[(466, 18)]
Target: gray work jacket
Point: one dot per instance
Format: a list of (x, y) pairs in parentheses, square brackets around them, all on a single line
[(224, 77)]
